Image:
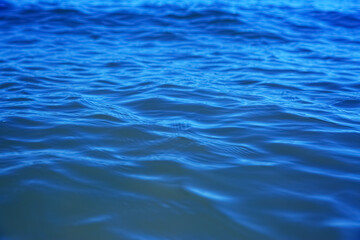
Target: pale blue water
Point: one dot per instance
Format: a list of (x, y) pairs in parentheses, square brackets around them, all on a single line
[(179, 120)]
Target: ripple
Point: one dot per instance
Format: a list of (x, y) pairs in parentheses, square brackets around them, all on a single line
[(179, 119)]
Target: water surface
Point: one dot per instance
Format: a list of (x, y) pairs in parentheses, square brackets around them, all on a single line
[(179, 120)]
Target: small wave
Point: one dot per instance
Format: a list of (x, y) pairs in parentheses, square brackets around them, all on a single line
[(179, 119)]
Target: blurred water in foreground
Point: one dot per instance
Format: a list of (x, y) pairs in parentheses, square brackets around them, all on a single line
[(179, 120)]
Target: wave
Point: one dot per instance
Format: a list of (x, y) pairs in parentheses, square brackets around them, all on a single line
[(323, 5), (179, 119)]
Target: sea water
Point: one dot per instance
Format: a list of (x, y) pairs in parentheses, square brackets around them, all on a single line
[(179, 119)]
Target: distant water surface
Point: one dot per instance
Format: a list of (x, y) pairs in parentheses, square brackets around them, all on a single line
[(179, 120)]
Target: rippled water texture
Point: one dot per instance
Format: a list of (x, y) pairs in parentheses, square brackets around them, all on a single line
[(179, 120)]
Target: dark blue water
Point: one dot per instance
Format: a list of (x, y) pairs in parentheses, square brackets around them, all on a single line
[(179, 120)]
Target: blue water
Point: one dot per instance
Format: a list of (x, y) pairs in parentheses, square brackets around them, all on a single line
[(179, 120)]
